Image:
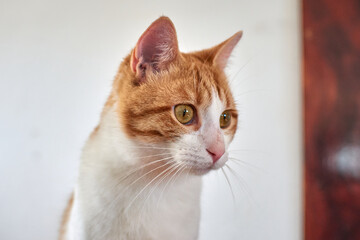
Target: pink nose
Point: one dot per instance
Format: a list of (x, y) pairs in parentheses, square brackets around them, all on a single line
[(216, 152)]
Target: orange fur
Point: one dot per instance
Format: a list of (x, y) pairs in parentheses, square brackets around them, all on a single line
[(65, 218)]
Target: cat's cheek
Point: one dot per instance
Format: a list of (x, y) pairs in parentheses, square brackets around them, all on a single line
[(221, 162)]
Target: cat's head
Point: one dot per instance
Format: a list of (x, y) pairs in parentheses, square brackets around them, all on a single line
[(179, 104)]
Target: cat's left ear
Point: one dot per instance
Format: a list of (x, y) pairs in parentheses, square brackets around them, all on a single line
[(225, 49), (155, 50)]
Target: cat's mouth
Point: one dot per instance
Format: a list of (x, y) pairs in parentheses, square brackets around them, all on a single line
[(202, 168)]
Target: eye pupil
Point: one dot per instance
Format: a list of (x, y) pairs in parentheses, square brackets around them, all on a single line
[(184, 112)]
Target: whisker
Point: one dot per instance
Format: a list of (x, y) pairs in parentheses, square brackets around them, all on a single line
[(161, 193), (178, 165), (172, 179), (246, 150), (147, 173), (115, 200), (178, 173), (243, 163), (243, 80), (228, 181), (151, 147), (241, 181), (172, 169), (141, 167), (241, 68), (155, 155), (137, 195)]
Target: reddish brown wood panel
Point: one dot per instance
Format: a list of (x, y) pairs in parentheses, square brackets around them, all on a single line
[(332, 119)]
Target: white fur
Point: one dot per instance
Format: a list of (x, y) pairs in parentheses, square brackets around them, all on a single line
[(108, 207)]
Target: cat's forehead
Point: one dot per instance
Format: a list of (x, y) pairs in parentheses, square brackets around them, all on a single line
[(208, 78), (196, 84)]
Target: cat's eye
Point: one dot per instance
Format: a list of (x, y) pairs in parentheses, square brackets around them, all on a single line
[(225, 119), (184, 113)]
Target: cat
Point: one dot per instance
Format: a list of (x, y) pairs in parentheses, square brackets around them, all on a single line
[(169, 119)]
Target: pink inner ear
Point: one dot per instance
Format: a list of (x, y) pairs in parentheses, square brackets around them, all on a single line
[(157, 46), (225, 51)]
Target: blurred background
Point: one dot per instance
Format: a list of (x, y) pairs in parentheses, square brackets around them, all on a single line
[(57, 63)]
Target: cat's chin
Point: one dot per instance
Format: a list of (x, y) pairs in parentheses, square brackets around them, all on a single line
[(207, 168), (201, 171)]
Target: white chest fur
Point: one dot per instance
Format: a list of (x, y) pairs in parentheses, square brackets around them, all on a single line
[(108, 207)]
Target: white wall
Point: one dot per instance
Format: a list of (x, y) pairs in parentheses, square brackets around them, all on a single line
[(57, 62)]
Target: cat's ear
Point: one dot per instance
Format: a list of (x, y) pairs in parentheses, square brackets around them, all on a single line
[(220, 54), (156, 49), (224, 50)]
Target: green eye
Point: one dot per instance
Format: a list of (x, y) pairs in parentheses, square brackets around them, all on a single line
[(184, 113), (225, 119)]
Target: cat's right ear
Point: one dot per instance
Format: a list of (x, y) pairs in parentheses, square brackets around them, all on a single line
[(155, 50)]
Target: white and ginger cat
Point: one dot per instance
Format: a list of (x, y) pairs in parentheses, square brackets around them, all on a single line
[(169, 119)]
